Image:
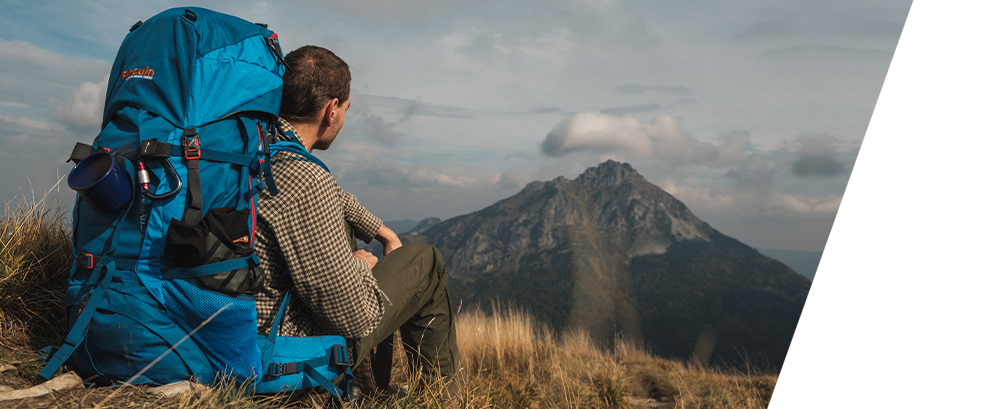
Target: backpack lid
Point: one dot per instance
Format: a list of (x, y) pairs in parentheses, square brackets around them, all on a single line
[(193, 66)]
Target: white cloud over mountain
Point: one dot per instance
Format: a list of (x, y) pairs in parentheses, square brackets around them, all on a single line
[(661, 138)]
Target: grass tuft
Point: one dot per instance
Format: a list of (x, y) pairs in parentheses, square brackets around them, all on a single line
[(36, 253)]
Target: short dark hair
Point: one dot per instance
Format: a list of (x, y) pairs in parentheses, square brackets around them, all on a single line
[(313, 76)]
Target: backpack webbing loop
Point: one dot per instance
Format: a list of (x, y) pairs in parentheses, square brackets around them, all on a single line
[(151, 148), (80, 151), (191, 146)]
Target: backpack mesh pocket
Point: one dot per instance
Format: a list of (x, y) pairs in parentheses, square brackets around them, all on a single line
[(229, 339)]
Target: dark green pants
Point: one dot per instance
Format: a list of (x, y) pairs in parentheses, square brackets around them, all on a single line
[(415, 280)]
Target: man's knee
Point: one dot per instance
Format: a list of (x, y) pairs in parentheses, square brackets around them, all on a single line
[(419, 248), (429, 254)]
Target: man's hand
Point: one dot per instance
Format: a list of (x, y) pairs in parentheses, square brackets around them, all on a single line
[(367, 257), (389, 239)]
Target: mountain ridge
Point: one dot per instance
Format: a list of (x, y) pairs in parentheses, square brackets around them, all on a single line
[(611, 253)]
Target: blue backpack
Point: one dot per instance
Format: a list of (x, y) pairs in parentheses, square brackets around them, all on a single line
[(165, 281)]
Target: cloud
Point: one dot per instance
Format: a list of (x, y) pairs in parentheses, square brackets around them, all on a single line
[(867, 31), (545, 110), (551, 50), (817, 166), (369, 168), (376, 127), (712, 199), (38, 77), (14, 104), (637, 35), (507, 152), (598, 5), (827, 22), (392, 175), (806, 157), (415, 107), (85, 110), (817, 156), (682, 101), (661, 138), (632, 109), (19, 123), (802, 204), (635, 89), (472, 50), (753, 173), (516, 179), (849, 52)]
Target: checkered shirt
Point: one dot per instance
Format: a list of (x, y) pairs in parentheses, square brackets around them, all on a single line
[(301, 230)]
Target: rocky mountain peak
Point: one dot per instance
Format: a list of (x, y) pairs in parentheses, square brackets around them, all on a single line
[(424, 225), (614, 254), (609, 173)]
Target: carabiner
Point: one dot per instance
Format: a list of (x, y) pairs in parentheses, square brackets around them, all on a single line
[(144, 181)]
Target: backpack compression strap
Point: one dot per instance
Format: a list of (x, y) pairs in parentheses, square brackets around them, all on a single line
[(82, 325), (191, 150), (191, 145)]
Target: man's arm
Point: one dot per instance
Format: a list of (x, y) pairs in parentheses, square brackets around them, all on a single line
[(367, 226), (336, 286), (389, 239)]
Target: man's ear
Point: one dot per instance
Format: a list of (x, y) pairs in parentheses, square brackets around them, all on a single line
[(330, 112)]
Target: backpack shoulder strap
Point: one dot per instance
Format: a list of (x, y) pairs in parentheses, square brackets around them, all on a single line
[(298, 149)]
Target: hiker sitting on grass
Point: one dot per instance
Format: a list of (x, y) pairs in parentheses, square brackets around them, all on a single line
[(309, 230)]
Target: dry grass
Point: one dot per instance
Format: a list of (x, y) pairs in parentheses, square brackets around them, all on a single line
[(35, 257), (511, 361), (515, 363)]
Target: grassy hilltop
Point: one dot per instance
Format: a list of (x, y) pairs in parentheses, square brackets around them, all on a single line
[(512, 360)]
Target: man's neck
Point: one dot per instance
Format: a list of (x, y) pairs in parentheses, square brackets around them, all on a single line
[(308, 133)]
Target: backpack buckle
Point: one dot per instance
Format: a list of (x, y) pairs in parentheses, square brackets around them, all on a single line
[(191, 144), (275, 369), (342, 356), (86, 260)]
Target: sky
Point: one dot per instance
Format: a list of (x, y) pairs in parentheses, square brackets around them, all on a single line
[(750, 112)]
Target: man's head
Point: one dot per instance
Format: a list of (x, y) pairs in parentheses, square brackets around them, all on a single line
[(314, 78)]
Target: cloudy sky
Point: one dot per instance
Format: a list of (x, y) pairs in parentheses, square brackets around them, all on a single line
[(750, 112)]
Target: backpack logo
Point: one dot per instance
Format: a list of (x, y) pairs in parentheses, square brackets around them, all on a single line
[(142, 73)]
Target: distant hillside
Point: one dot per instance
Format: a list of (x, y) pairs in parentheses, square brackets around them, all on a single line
[(803, 262), (611, 253), (401, 226)]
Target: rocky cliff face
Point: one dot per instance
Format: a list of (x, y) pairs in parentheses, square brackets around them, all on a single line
[(568, 250)]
